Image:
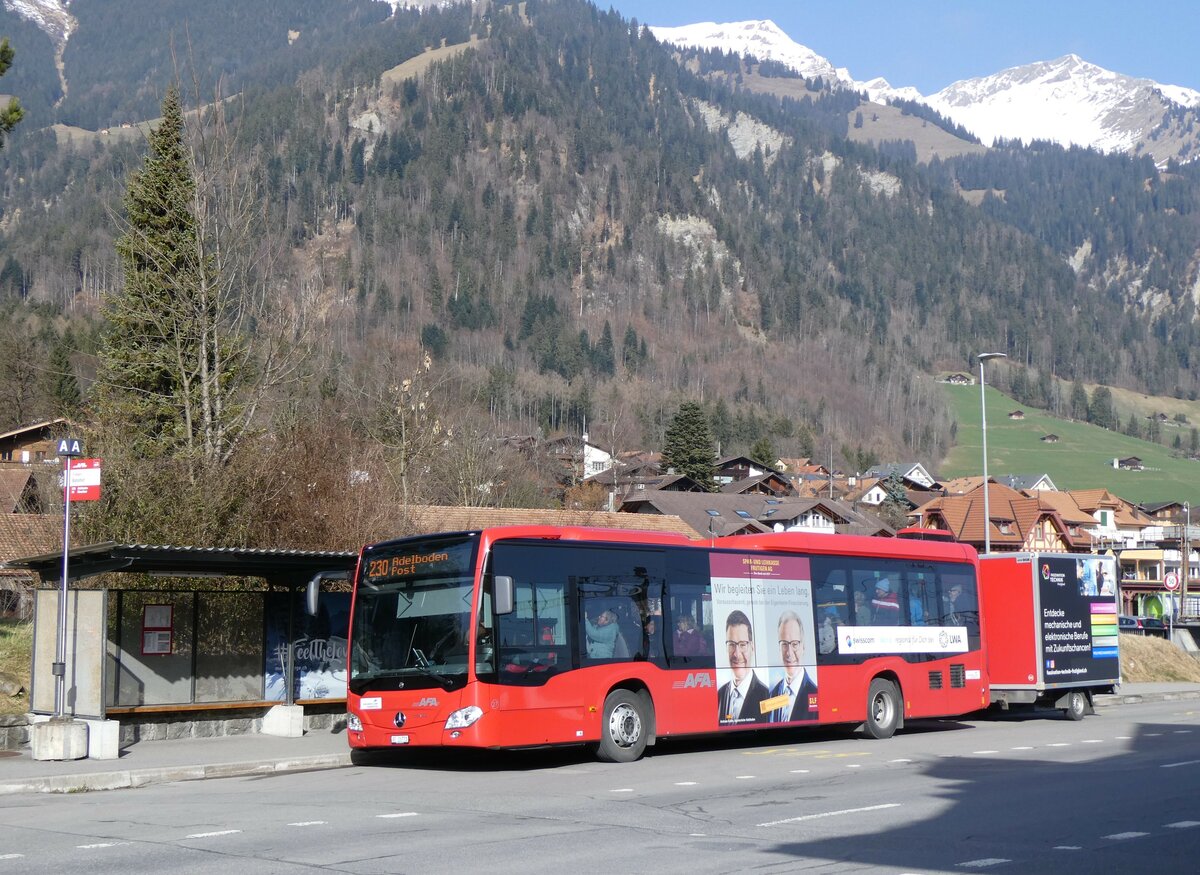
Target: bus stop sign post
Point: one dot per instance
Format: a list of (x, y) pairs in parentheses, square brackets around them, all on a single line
[(68, 449)]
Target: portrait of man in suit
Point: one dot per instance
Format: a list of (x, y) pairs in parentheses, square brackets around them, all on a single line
[(796, 685), (739, 699)]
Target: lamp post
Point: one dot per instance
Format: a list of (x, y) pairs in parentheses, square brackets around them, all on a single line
[(987, 516)]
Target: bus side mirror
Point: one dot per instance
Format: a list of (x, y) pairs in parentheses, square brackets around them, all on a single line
[(503, 595)]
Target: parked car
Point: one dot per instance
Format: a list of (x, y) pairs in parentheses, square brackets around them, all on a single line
[(1142, 625)]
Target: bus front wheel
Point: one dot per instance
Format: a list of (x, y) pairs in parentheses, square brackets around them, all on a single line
[(624, 731), (883, 709)]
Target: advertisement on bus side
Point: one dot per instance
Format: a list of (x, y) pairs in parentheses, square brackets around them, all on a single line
[(1078, 617), (764, 639)]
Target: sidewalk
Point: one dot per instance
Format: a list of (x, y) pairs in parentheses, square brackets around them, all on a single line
[(190, 759), (185, 759)]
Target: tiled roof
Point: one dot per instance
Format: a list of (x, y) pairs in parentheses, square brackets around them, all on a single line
[(13, 482), (423, 518), (28, 534)]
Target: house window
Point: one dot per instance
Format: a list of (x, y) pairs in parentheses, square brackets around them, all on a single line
[(6, 456), (1005, 528)]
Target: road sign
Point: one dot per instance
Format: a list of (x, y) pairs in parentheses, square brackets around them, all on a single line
[(70, 447), (1171, 581), (84, 479)]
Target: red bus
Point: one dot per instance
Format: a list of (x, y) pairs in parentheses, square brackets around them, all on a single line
[(529, 636)]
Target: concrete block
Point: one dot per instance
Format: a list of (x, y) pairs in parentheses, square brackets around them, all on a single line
[(285, 721), (60, 739), (103, 739)]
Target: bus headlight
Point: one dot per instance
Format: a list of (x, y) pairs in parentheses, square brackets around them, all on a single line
[(352, 722), (464, 717)]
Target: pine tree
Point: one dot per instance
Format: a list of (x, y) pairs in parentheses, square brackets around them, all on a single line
[(147, 336), (1079, 402), (12, 113), (688, 446), (763, 452), (62, 388)]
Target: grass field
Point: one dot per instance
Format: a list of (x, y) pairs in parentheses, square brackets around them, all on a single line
[(16, 650), (1082, 458)]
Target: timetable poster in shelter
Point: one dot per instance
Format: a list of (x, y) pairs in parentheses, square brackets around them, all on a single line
[(320, 648), (763, 629), (1079, 618)]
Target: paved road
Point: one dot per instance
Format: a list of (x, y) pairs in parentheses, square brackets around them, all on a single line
[(1117, 792)]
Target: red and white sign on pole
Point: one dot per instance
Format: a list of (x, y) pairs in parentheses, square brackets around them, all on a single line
[(1171, 581), (84, 479)]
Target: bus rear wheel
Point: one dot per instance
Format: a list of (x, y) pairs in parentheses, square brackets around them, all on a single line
[(624, 730), (883, 709)]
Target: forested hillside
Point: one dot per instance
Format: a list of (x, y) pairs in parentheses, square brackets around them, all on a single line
[(581, 229)]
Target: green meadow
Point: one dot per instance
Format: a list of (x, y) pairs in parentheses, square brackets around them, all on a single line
[(1081, 459)]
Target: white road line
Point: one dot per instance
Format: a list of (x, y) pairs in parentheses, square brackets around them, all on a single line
[(1024, 747), (618, 789), (1092, 741), (832, 814), (677, 783), (1122, 836), (1124, 738), (219, 832), (100, 845), (11, 856), (308, 823), (981, 752), (984, 863), (1060, 744), (854, 765), (1177, 765), (799, 771), (1148, 734), (900, 761), (1182, 732), (1068, 848), (400, 814), (737, 777), (1183, 824)]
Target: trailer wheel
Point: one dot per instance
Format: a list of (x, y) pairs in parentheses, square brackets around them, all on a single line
[(1077, 705), (625, 729), (883, 709)]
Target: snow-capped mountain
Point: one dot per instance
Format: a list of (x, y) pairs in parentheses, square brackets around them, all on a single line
[(50, 15), (766, 42), (1068, 101)]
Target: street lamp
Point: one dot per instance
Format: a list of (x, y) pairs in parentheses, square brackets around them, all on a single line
[(987, 517)]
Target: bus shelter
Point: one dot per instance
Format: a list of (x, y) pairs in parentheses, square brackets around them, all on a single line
[(175, 641)]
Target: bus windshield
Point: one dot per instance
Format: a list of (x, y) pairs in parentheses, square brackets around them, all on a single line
[(412, 614)]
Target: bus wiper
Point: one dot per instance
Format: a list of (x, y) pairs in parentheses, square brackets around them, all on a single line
[(426, 669)]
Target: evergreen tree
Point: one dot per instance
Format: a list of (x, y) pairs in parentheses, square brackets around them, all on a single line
[(764, 453), (688, 446), (62, 389), (1079, 401), (894, 509), (139, 382), (1100, 408), (12, 113)]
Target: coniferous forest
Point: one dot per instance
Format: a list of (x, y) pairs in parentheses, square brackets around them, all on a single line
[(434, 231)]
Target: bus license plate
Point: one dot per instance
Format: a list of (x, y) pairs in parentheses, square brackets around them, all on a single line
[(399, 739)]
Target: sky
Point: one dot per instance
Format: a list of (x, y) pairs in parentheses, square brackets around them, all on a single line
[(931, 43)]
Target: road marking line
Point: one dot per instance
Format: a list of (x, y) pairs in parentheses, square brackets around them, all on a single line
[(1124, 738), (1092, 741), (400, 814), (1183, 824), (1182, 732), (308, 823), (832, 814), (980, 752), (900, 761), (799, 771), (622, 790), (685, 783), (219, 832), (1121, 836), (1023, 747), (984, 863), (1068, 848), (11, 856), (854, 765), (1176, 765), (100, 845), (743, 777), (696, 835), (1060, 744), (1153, 734)]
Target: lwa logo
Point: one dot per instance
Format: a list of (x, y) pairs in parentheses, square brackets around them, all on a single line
[(693, 680)]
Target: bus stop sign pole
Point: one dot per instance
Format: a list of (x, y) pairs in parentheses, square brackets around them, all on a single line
[(68, 448)]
